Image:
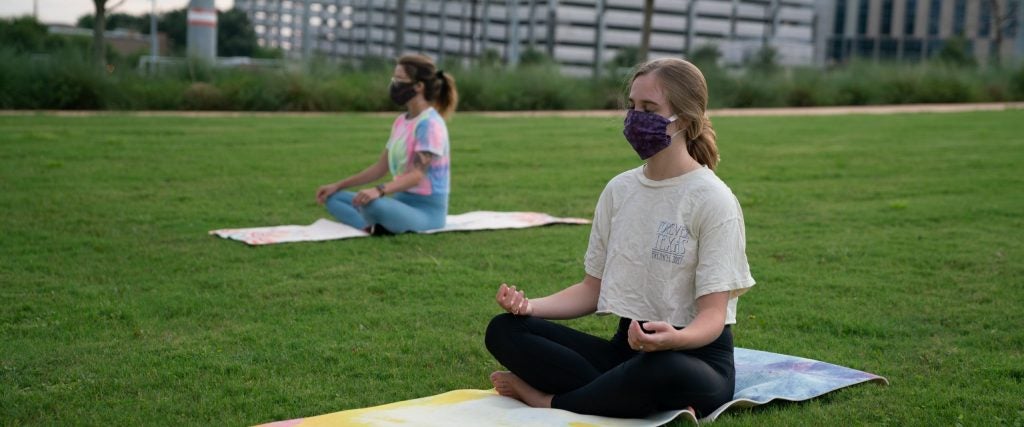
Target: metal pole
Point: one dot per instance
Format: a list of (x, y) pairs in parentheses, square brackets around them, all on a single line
[(154, 45), (400, 27), (513, 33), (441, 32), (599, 39), (531, 31), (484, 27), (307, 46), (691, 32), (552, 25)]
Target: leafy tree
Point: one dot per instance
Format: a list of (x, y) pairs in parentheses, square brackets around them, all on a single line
[(235, 36), (23, 34), (765, 60), (706, 56), (956, 51), (534, 57), (118, 20)]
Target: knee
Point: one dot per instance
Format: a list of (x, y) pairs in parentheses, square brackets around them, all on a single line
[(499, 330), (340, 197)]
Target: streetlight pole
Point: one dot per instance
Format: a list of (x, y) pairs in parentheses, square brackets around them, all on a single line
[(154, 45)]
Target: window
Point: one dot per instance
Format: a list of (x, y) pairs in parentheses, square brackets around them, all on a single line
[(840, 23), (985, 19), (910, 17), (862, 16), (934, 15), (912, 49), (865, 47), (886, 17), (959, 16), (888, 49)]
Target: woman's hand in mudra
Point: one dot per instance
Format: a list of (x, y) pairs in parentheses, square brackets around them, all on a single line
[(325, 191), (365, 196), (513, 301), (657, 336)]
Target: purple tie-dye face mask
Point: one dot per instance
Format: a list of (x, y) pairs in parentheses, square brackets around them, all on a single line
[(646, 132)]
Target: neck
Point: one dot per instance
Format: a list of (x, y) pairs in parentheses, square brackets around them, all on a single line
[(416, 106), (671, 162)]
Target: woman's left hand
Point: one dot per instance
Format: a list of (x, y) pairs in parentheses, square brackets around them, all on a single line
[(657, 338), (365, 196)]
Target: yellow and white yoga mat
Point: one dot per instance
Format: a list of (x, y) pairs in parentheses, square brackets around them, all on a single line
[(761, 377), (469, 408)]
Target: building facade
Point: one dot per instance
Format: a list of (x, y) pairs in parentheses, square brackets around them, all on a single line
[(577, 33), (914, 30)]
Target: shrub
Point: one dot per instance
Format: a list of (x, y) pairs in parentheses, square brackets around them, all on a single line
[(203, 96)]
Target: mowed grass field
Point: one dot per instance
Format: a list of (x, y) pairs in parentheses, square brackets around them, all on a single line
[(890, 244)]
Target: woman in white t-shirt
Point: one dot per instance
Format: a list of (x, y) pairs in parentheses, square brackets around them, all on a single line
[(666, 255)]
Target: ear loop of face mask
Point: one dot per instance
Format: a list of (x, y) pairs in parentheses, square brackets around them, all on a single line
[(671, 120)]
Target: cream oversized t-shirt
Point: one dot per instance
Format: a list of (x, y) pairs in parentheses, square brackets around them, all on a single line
[(657, 246)]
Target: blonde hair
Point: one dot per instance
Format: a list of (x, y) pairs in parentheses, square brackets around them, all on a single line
[(438, 86), (687, 95)]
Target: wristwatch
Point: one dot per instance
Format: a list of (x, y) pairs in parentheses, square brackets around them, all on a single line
[(380, 189)]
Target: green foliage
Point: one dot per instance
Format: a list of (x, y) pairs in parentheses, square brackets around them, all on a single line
[(235, 35), (1017, 83), (956, 51), (175, 25), (533, 56), (885, 243), (764, 61), (35, 61), (706, 57), (116, 21), (26, 35)]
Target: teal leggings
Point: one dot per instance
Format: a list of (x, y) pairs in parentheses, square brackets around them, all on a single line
[(399, 214)]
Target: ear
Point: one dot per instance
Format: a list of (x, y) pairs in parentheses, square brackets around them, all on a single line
[(677, 126), (420, 87)]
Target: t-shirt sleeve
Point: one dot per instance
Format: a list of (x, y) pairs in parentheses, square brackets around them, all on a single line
[(721, 251), (597, 249), (430, 137)]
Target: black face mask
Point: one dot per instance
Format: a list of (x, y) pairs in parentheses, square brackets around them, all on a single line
[(401, 93)]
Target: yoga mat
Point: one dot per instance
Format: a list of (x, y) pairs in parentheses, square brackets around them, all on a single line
[(325, 229), (760, 378)]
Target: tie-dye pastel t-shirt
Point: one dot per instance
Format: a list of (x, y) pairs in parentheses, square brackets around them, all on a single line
[(425, 132)]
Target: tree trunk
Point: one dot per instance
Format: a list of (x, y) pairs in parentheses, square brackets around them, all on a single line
[(997, 31), (645, 33), (99, 46)]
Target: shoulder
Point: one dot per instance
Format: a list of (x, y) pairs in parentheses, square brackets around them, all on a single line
[(624, 180), (431, 122), (716, 201)]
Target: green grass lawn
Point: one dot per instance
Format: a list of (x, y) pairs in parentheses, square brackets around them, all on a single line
[(890, 244)]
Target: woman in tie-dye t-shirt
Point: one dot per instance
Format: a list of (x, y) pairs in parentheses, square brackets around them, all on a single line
[(416, 155)]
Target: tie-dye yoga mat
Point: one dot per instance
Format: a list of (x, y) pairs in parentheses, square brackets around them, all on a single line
[(325, 229), (760, 378)]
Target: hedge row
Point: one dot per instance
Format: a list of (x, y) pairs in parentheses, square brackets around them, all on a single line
[(67, 80)]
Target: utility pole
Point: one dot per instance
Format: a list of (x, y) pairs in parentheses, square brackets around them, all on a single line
[(154, 45)]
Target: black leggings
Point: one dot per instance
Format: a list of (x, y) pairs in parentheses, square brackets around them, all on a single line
[(591, 375)]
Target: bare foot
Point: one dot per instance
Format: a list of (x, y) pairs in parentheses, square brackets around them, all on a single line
[(509, 385)]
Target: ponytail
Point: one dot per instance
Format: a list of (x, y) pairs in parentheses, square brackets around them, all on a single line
[(448, 96), (701, 143)]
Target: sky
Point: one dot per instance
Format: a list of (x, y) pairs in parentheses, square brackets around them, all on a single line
[(68, 11)]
